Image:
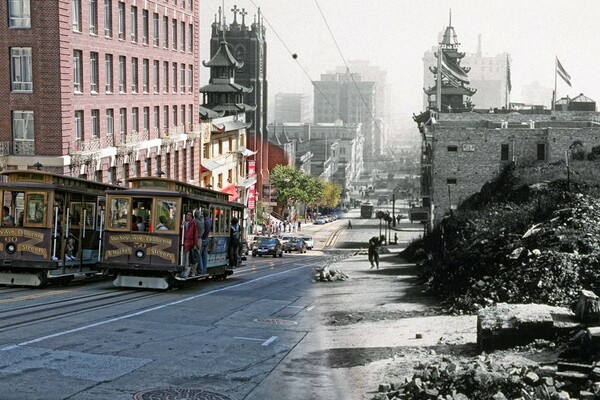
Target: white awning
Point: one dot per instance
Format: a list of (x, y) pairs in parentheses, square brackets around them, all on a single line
[(247, 182)]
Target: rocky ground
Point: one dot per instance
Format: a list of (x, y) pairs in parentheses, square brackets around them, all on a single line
[(513, 242)]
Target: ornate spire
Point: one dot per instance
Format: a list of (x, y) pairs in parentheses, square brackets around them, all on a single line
[(235, 10), (243, 13)]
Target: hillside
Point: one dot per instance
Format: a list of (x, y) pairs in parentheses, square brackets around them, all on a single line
[(519, 240)]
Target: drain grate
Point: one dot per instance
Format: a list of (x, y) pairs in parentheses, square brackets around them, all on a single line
[(276, 321), (180, 394)]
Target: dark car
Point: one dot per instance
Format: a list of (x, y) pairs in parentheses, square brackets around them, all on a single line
[(268, 247), (295, 244)]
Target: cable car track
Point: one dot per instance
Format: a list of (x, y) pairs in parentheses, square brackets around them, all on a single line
[(64, 308)]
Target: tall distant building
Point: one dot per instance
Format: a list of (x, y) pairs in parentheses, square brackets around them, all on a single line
[(352, 100), (486, 74), (248, 45), (293, 107), (103, 90)]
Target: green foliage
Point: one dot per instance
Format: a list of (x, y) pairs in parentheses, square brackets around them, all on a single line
[(293, 185)]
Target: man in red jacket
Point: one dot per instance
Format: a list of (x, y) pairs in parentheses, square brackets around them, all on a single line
[(190, 241)]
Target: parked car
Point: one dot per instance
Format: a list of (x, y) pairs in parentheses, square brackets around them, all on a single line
[(320, 221), (295, 244), (309, 242), (268, 246)]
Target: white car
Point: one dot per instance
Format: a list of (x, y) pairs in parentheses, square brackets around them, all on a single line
[(320, 221), (285, 239), (309, 242)]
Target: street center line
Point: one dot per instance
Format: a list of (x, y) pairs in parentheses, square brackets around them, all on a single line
[(248, 338)]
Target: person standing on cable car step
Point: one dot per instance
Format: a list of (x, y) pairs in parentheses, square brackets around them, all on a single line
[(208, 223), (235, 239), (190, 240), (198, 250)]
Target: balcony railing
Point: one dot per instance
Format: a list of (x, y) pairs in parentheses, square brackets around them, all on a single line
[(24, 148), (5, 148)]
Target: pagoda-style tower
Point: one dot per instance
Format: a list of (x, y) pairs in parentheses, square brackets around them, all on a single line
[(222, 96), (455, 96)]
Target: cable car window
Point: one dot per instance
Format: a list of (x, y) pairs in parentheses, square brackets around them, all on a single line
[(35, 209), (119, 213), (141, 219), (166, 215)]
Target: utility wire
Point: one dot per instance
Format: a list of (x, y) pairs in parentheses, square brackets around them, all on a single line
[(354, 81), (295, 57)]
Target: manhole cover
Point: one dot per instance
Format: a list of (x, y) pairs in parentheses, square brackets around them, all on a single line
[(276, 321), (180, 394)]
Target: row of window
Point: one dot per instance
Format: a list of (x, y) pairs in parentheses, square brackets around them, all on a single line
[(182, 34), (19, 16), (171, 116), (504, 151), (180, 76)]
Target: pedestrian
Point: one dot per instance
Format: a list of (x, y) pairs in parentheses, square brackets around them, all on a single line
[(395, 238), (299, 226), (235, 239), (373, 251), (208, 223), (190, 240), (349, 224), (198, 251)]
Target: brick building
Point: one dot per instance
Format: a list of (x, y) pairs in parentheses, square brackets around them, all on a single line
[(464, 151), (102, 89)]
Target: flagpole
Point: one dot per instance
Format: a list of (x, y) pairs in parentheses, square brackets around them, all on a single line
[(555, 73), (438, 88), (507, 77)]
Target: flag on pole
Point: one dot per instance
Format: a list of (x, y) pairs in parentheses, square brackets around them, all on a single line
[(451, 68), (562, 73), (508, 82)]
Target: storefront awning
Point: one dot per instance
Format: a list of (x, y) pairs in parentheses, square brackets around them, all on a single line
[(232, 191), (210, 165), (246, 152), (247, 182)]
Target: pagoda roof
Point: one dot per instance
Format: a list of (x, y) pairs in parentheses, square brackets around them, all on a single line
[(234, 107), (452, 90), (207, 113), (230, 87), (223, 58)]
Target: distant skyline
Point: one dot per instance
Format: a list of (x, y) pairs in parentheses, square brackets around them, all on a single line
[(394, 35)]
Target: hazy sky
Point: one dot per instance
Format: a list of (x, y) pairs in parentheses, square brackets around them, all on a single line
[(394, 34)]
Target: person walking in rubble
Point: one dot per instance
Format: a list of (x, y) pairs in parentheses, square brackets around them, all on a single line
[(373, 250)]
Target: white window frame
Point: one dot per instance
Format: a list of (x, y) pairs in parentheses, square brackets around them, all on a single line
[(78, 126), (21, 73), (134, 24), (94, 71), (134, 75), (94, 17), (76, 10), (121, 26), (182, 73), (109, 67), (156, 73), (23, 127), (19, 14), (95, 124), (190, 78), (108, 21), (145, 75), (77, 71), (156, 31), (145, 27), (110, 122), (122, 74)]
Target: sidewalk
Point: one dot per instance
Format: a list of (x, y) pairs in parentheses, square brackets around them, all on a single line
[(376, 319)]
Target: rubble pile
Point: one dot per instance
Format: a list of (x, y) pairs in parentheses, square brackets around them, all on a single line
[(540, 245), (325, 274), (482, 378)]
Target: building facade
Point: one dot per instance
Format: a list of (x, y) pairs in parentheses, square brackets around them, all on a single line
[(247, 43), (293, 107), (101, 89), (349, 99), (464, 151)]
